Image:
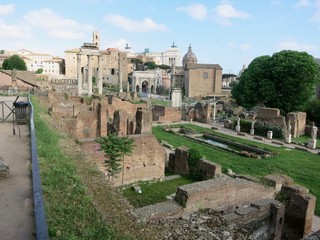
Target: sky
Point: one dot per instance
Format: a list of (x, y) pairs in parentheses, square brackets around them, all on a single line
[(230, 33)]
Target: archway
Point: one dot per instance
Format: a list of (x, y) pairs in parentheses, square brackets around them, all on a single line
[(145, 86), (152, 89), (137, 88)]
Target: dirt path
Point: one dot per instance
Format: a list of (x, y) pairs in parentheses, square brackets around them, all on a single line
[(16, 198)]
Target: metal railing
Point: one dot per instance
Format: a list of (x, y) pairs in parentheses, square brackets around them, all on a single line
[(5, 111), (39, 211)]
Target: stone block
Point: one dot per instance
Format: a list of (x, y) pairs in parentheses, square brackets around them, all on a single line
[(4, 169), (277, 181)]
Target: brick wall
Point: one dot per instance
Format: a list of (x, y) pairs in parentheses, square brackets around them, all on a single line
[(297, 121), (221, 194), (165, 114)]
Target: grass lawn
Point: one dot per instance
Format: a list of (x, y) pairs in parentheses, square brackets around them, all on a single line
[(69, 206), (154, 192), (303, 167), (304, 140)]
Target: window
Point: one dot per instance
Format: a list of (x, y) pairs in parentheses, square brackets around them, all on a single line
[(205, 75)]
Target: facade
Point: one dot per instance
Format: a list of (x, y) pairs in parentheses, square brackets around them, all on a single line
[(113, 62), (34, 61), (203, 80), (197, 80), (170, 56), (147, 81)]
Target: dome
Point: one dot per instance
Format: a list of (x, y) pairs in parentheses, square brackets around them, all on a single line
[(189, 57)]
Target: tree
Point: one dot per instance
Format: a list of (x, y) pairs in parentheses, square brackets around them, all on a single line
[(39, 71), (115, 148), (313, 111), (14, 62), (150, 65), (286, 80), (164, 66)]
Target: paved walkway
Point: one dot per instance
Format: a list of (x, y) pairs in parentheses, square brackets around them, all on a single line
[(16, 197)]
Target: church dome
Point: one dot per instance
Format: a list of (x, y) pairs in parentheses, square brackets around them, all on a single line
[(189, 57)]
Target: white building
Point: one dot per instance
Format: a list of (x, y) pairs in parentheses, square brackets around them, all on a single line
[(147, 81), (171, 56), (34, 61)]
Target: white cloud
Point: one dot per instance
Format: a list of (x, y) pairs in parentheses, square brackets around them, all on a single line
[(245, 46), (303, 3), (13, 31), (6, 9), (57, 26), (129, 25), (120, 44), (292, 45), (197, 11), (225, 12)]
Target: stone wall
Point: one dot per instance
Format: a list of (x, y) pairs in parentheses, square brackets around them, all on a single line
[(201, 112), (271, 116), (300, 206), (164, 114), (144, 121), (263, 219), (146, 162), (221, 194), (308, 131), (94, 117), (297, 121), (299, 211), (178, 163)]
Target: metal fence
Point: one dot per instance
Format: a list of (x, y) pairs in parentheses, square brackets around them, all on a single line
[(40, 215)]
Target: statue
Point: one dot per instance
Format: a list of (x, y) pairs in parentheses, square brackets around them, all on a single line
[(314, 131), (289, 129)]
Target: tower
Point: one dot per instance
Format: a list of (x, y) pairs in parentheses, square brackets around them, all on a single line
[(96, 39)]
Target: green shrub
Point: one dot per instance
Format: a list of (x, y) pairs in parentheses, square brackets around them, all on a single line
[(194, 156)]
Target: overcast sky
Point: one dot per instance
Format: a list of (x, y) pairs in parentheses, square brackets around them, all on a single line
[(230, 33)]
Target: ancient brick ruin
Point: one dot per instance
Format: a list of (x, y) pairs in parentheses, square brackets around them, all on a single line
[(277, 209), (85, 119)]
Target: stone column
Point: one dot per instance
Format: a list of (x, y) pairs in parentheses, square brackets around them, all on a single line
[(176, 97), (100, 59), (214, 112), (269, 134), (89, 75), (79, 74), (238, 125), (252, 128), (120, 79), (288, 135)]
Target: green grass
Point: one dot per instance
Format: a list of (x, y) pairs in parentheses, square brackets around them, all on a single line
[(69, 209), (160, 102), (154, 192), (303, 167), (303, 140)]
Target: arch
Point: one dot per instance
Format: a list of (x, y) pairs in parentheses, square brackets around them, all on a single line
[(145, 86), (152, 89), (137, 88)]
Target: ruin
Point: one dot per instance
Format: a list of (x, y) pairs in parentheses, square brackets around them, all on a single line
[(4, 169), (85, 119)]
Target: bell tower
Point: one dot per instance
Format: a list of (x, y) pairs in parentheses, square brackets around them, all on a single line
[(96, 39)]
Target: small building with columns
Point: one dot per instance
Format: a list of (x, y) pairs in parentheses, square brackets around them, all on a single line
[(93, 67)]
